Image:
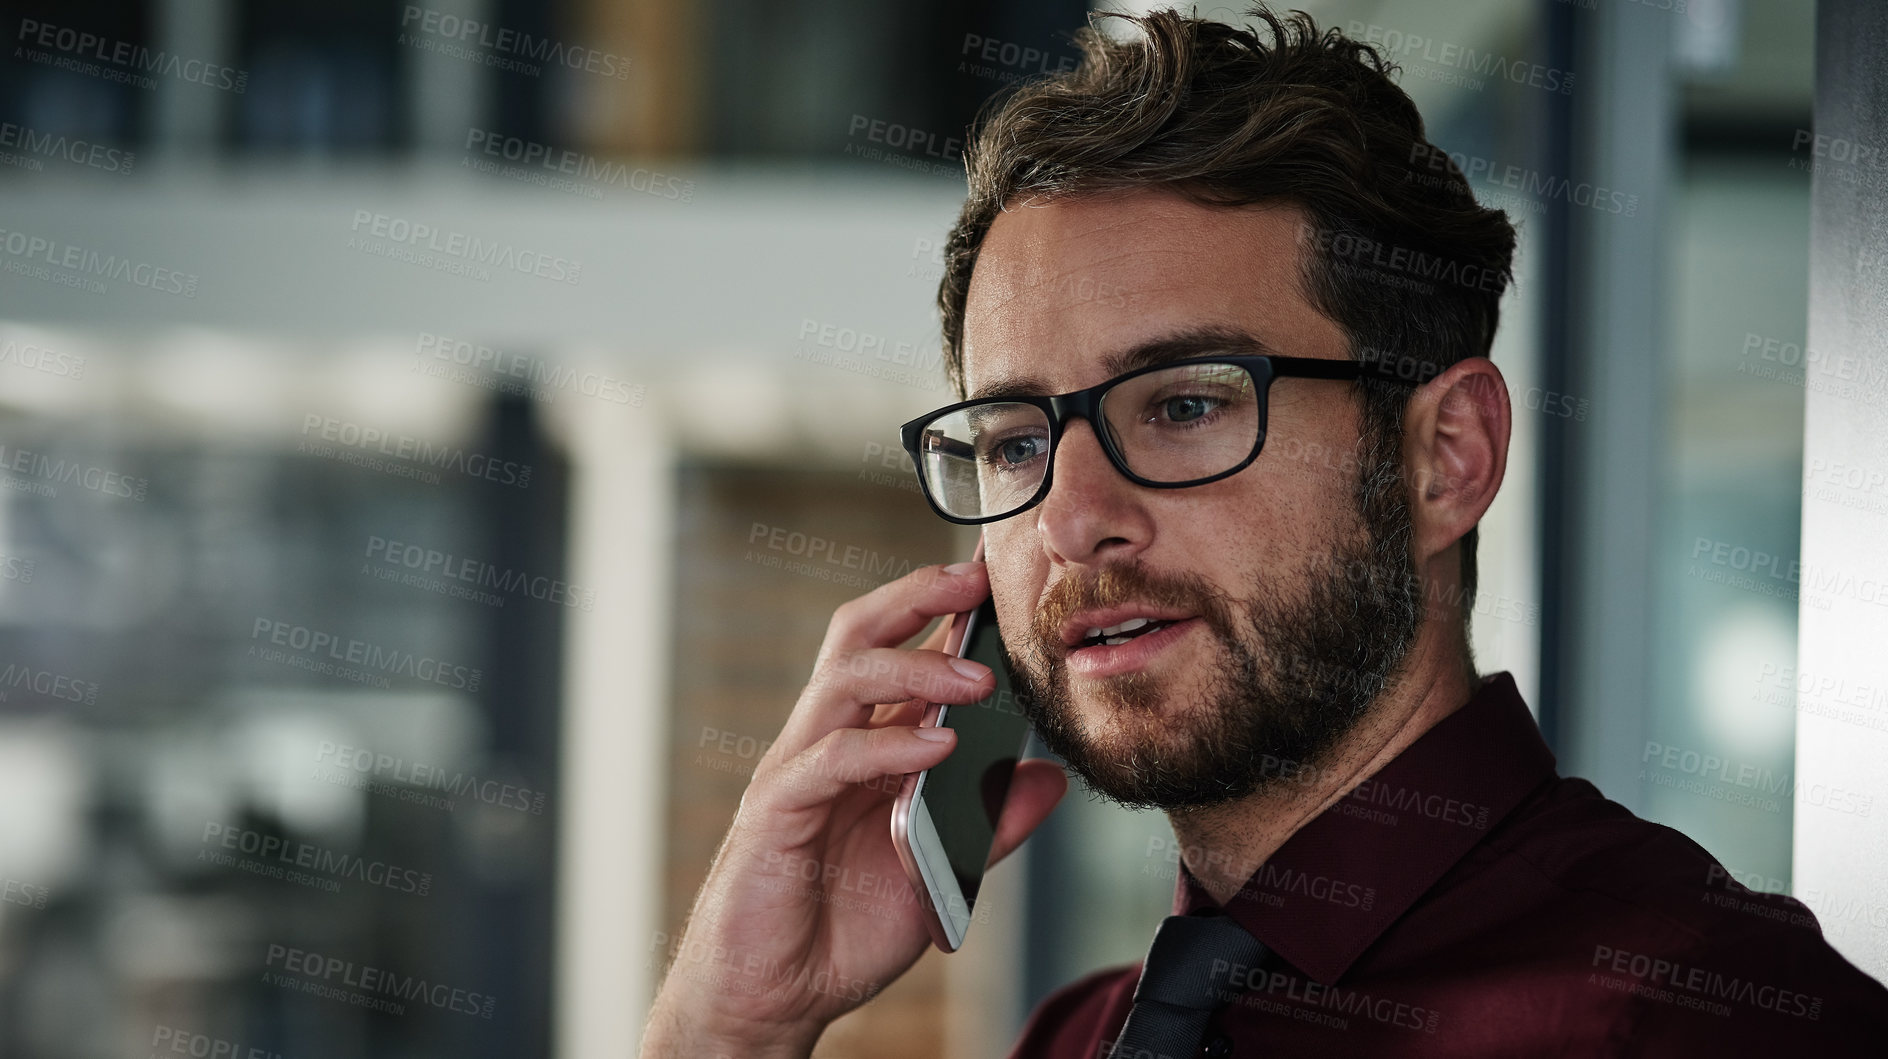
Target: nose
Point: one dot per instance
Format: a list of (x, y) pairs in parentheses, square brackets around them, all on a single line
[(1092, 514)]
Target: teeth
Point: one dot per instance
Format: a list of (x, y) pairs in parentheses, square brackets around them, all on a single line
[(1113, 636)]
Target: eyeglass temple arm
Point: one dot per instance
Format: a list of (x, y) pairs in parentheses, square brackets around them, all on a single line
[(934, 441), (1369, 368)]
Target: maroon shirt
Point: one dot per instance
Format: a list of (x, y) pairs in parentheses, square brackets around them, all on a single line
[(1469, 901)]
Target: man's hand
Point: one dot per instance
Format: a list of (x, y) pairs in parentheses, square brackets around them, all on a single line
[(807, 913)]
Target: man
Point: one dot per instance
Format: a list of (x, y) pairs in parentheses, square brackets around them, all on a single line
[(1236, 587)]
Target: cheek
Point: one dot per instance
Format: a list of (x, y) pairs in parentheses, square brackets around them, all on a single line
[(1311, 460), (1002, 551), (1269, 524), (1016, 569)]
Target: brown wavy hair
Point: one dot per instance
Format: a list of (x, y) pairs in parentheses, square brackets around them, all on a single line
[(1231, 118)]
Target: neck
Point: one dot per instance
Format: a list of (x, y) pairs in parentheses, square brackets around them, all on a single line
[(1225, 844)]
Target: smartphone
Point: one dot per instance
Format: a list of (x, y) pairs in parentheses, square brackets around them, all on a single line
[(944, 821)]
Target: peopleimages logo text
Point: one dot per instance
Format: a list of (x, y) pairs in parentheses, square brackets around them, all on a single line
[(318, 642), (380, 768), (126, 55), (448, 26), (1533, 182), (532, 154), (277, 856), (416, 450), (77, 151), (376, 982), (39, 249), (461, 247), (432, 562)]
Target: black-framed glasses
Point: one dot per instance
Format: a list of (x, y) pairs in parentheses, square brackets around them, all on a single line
[(1168, 426)]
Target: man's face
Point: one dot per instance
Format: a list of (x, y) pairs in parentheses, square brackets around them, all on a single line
[(1277, 601)]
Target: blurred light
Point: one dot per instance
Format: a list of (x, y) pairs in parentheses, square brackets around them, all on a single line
[(170, 939), (187, 787), (1707, 38), (727, 404), (360, 386), (45, 788), (48, 370), (278, 749), (277, 735), (1725, 681), (217, 379)]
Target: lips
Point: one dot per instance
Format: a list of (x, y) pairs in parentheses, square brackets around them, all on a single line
[(1122, 633), (1116, 625), (1136, 651)]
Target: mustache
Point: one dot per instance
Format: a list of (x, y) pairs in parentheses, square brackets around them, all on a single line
[(1122, 583)]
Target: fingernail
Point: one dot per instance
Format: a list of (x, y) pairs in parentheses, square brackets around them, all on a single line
[(970, 670), (933, 733), (963, 569)]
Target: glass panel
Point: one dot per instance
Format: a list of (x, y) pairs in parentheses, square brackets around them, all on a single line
[(1719, 753)]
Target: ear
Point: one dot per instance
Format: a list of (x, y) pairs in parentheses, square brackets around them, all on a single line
[(1455, 451)]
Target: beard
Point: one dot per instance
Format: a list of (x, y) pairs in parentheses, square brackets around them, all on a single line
[(1297, 666)]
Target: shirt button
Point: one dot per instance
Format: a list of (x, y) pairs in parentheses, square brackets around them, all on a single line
[(1217, 1048)]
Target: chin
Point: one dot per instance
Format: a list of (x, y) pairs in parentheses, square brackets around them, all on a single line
[(1131, 717)]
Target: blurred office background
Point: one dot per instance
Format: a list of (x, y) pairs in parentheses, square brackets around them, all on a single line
[(257, 461)]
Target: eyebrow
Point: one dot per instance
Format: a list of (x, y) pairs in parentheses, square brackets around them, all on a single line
[(1177, 345)]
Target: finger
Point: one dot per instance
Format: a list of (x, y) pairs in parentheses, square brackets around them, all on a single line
[(846, 690), (935, 640), (898, 610), (909, 712), (843, 759), (1036, 787), (879, 675)]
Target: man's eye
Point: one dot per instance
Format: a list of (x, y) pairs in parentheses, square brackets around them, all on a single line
[(1011, 452), (1188, 407)]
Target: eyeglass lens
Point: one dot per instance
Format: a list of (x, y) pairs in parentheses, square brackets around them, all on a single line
[(1179, 424)]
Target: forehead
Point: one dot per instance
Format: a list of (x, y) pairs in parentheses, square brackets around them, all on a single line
[(1061, 285)]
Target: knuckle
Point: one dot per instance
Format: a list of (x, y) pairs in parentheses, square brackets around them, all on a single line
[(831, 668), (847, 618), (818, 685), (829, 745), (833, 756), (758, 797), (787, 776)]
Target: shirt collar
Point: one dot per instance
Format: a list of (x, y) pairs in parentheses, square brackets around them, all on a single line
[(1342, 879)]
